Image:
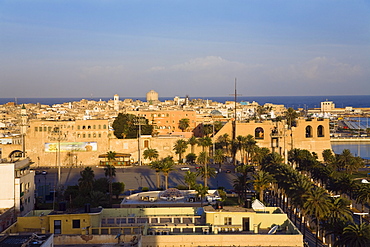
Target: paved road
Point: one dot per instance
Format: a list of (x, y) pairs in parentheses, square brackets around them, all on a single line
[(135, 177)]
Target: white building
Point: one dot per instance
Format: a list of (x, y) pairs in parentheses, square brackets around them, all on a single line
[(17, 186)]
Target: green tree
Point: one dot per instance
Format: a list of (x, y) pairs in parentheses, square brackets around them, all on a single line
[(190, 179), (167, 167), (151, 154), (202, 191), (328, 156), (110, 172), (291, 115), (118, 188), (219, 157), (204, 171), (363, 194), (224, 141), (205, 143), (192, 141), (184, 124), (125, 126), (157, 166), (86, 181), (191, 158), (180, 148), (262, 181), (250, 145), (355, 236), (318, 206)]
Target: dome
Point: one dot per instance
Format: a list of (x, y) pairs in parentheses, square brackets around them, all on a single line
[(152, 96), (171, 192)]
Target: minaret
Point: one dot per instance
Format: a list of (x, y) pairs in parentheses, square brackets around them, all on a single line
[(24, 120), (116, 102)]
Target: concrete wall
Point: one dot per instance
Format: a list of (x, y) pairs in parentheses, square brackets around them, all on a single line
[(221, 240)]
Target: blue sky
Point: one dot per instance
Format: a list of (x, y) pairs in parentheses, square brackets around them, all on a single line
[(196, 48)]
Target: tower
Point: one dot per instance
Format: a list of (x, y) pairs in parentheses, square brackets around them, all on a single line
[(24, 120), (116, 102)]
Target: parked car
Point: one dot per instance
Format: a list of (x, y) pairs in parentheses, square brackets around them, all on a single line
[(44, 172), (184, 168)]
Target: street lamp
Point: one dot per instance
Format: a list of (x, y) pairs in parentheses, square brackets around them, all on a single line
[(361, 215)]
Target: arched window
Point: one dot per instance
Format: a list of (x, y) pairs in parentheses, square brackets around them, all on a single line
[(146, 144), (320, 131), (259, 133), (308, 131)]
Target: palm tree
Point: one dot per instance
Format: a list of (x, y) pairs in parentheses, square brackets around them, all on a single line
[(192, 141), (167, 166), (190, 179), (180, 148), (250, 147), (184, 123), (151, 154), (363, 194), (290, 116), (219, 157), (110, 172), (262, 181), (111, 155), (224, 141), (328, 156), (355, 236), (345, 159), (157, 166), (86, 181), (204, 171), (202, 191), (318, 206), (241, 141), (205, 142), (340, 210)]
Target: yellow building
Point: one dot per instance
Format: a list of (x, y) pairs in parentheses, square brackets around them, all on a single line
[(311, 134), (179, 226)]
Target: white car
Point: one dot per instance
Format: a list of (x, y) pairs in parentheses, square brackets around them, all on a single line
[(184, 168)]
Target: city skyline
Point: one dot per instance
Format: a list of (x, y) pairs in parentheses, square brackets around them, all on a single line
[(100, 48)]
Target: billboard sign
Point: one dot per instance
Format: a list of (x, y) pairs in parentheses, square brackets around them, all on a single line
[(71, 147)]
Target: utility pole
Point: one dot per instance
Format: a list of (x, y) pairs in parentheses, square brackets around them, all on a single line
[(234, 124), (139, 122)]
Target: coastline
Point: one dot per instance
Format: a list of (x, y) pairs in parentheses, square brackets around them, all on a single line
[(350, 139)]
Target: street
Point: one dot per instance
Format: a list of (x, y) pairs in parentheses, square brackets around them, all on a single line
[(135, 177)]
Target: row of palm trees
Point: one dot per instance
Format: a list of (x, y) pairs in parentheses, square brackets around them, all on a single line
[(304, 188)]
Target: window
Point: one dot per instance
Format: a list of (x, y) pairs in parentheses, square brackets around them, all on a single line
[(78, 127), (104, 126), (89, 135), (320, 131), (99, 135), (76, 224), (258, 133), (45, 129), (308, 131), (40, 129), (94, 126), (89, 127), (83, 135), (57, 226), (36, 129), (146, 144), (228, 221), (99, 126)]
